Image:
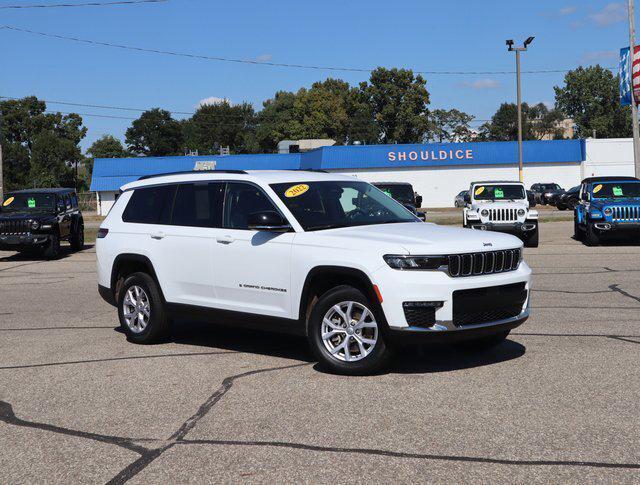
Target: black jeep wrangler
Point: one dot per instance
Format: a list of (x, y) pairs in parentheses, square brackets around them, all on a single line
[(36, 220)]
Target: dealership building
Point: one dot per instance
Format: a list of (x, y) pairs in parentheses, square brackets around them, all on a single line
[(437, 171)]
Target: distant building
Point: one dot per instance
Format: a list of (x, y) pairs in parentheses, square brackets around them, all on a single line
[(301, 146)]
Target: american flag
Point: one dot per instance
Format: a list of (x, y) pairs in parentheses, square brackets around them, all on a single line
[(635, 74)]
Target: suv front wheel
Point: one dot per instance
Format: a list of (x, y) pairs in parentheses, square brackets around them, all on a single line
[(141, 310), (345, 334)]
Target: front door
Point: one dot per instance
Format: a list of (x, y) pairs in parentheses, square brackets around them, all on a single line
[(251, 268)]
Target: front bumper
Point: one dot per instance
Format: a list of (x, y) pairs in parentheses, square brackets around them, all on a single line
[(608, 226), (516, 228), (26, 240)]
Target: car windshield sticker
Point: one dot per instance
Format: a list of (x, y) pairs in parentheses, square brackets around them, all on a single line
[(31, 202), (597, 188), (388, 192), (479, 190), (8, 201), (499, 194), (296, 190), (617, 191)]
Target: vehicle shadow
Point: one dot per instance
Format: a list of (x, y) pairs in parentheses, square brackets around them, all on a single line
[(65, 252), (422, 359)]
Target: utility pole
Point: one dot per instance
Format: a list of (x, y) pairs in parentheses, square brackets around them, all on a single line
[(634, 106), (518, 50), (1, 182)]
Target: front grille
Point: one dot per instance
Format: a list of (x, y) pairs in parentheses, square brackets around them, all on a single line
[(484, 305), (626, 213), (503, 215), (476, 264), (14, 226)]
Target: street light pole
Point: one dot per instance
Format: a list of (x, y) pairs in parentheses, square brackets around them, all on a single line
[(634, 106), (518, 50)]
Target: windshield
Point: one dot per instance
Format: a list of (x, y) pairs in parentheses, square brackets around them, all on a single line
[(28, 202), (400, 192), (327, 205), (545, 187), (498, 192), (616, 190)]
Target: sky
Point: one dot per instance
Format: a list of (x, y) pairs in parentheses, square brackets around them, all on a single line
[(429, 35)]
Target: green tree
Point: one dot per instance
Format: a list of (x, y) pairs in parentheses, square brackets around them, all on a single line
[(39, 148), (590, 96), (398, 100), (538, 122), (221, 124), (107, 146), (449, 126), (156, 134)]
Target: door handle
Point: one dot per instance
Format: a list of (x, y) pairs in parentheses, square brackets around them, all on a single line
[(157, 235), (225, 239)]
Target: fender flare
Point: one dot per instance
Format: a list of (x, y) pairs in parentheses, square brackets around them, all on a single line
[(136, 258)]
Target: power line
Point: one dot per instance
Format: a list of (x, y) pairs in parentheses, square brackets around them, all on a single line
[(263, 63), (85, 4)]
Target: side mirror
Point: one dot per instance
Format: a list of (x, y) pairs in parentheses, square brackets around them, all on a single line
[(585, 196), (267, 221), (418, 201)]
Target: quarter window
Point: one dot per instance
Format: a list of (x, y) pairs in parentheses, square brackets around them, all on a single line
[(198, 205), (242, 200), (150, 205)]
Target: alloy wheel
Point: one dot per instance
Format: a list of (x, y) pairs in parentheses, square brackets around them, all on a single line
[(136, 309), (349, 331)]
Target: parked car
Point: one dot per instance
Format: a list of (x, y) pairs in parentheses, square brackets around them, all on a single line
[(403, 192), (607, 205), (531, 197), (324, 255), (36, 220), (545, 193), (504, 207), (460, 200), (568, 199)]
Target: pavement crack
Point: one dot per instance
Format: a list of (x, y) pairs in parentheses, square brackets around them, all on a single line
[(617, 289), (419, 456), (624, 339)]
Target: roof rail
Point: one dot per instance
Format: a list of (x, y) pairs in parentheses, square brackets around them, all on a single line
[(609, 178), (184, 172), (319, 170)]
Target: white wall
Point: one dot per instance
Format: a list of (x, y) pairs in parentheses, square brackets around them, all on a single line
[(105, 201), (609, 157), (439, 185)]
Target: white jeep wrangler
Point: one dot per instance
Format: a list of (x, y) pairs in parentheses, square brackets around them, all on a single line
[(501, 206), (324, 255)]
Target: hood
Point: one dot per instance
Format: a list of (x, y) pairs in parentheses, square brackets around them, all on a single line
[(601, 203), (19, 215), (420, 238), (503, 204)]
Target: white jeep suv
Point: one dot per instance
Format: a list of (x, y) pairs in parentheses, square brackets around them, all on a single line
[(503, 207), (324, 255)]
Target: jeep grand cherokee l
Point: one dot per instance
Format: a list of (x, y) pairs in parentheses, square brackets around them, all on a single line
[(324, 255)]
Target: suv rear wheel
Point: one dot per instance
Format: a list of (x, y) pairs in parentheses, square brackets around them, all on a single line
[(141, 310), (345, 334)]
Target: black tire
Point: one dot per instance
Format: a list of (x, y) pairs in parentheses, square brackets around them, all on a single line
[(379, 354), (156, 329), (77, 238), (532, 239), (561, 207), (484, 343), (52, 251), (578, 235), (591, 237)]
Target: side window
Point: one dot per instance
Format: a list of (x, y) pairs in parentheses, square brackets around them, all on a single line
[(198, 205), (67, 201), (240, 201), (60, 203), (151, 205), (74, 200)]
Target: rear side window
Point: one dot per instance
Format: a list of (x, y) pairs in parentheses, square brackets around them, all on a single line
[(150, 205), (198, 205), (74, 200)]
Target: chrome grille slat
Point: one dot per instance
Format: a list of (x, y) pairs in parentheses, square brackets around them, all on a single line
[(626, 213), (14, 227), (485, 263), (503, 215)]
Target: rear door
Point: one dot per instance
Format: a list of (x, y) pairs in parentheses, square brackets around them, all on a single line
[(65, 220), (252, 268)]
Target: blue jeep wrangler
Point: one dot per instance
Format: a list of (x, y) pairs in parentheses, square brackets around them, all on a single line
[(607, 204)]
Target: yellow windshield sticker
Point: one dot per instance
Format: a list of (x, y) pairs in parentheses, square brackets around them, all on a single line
[(479, 190), (296, 190), (8, 201), (597, 188)]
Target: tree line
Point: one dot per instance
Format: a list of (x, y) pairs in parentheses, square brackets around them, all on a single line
[(42, 148)]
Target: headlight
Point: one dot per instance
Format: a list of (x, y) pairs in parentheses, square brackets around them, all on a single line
[(521, 212), (596, 214), (608, 211), (35, 225), (484, 213), (397, 261)]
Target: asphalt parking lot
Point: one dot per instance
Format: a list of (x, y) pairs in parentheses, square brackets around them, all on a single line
[(558, 402)]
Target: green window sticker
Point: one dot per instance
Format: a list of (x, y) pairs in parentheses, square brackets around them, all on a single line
[(31, 202), (499, 194), (617, 191), (388, 192)]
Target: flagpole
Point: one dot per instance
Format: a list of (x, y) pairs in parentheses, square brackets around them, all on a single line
[(634, 106)]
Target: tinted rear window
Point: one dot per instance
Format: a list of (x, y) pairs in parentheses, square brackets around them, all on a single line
[(151, 205), (198, 205)]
